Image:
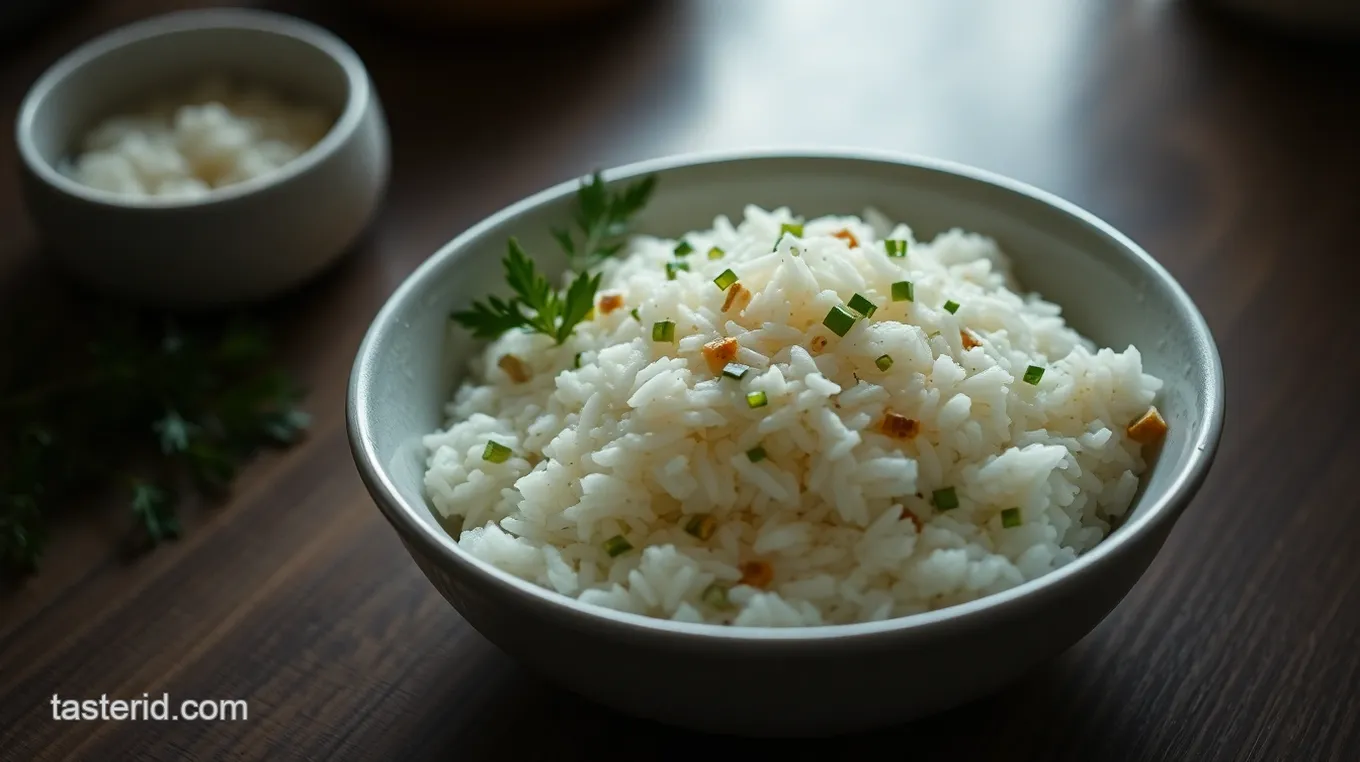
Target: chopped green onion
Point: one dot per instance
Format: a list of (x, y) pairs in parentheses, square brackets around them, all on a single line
[(895, 248), (862, 305), (673, 267), (945, 499), (756, 399), (701, 525), (1032, 375), (840, 320), (635, 314), (884, 362), (577, 362), (933, 334), (951, 306), (903, 291), (756, 454), (496, 452), (715, 595), (1010, 518), (663, 331), (724, 280), (791, 227), (683, 248), (715, 253), (617, 545), (735, 370)]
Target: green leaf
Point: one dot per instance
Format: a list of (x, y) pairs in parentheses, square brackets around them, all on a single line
[(22, 535), (533, 289), (635, 196), (286, 426), (152, 506), (592, 200), (564, 240), (490, 319), (211, 466), (173, 433), (185, 398), (601, 217), (578, 303)]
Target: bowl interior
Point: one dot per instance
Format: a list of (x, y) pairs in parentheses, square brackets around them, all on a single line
[(125, 68), (414, 358)]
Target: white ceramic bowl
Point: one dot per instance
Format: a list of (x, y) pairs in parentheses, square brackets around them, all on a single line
[(808, 680), (239, 243)]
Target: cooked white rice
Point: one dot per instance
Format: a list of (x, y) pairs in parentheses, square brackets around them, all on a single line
[(186, 144), (644, 435)]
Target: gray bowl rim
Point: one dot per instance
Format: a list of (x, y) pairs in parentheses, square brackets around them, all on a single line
[(206, 19), (439, 546)]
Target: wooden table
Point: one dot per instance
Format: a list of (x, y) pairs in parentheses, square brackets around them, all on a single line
[(1230, 154)]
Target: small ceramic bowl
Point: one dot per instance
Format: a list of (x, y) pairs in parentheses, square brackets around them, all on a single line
[(238, 243), (807, 680)]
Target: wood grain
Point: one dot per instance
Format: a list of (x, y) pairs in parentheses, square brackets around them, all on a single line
[(1228, 152)]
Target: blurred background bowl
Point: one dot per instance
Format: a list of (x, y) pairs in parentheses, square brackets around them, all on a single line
[(242, 242)]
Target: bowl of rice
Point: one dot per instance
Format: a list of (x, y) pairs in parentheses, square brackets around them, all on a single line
[(786, 443), (203, 158)]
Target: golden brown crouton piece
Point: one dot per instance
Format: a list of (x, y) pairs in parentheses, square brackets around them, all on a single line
[(514, 368), (906, 514), (899, 426), (757, 573), (848, 237), (738, 295), (720, 352), (610, 302), (1148, 429)]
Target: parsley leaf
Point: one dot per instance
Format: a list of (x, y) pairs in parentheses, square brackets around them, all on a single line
[(550, 313), (107, 397), (602, 218)]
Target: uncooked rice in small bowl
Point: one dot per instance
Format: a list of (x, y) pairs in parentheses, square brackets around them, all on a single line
[(957, 441)]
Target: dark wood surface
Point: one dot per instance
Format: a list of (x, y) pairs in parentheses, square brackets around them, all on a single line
[(1229, 153)]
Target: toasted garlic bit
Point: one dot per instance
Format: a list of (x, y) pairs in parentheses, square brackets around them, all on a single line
[(969, 340), (906, 514), (757, 573), (899, 426), (1148, 429), (848, 237), (737, 295), (720, 352), (818, 343), (610, 302), (514, 368)]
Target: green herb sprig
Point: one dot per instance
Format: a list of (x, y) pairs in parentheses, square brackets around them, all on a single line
[(601, 218), (142, 407), (552, 313)]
